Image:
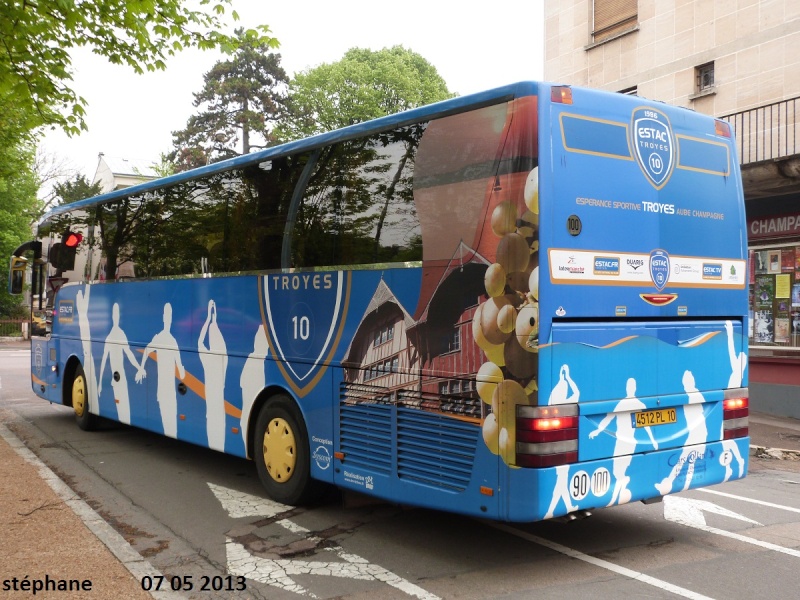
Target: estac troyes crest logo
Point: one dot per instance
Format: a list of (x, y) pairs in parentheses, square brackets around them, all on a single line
[(304, 315), (659, 268), (655, 145)]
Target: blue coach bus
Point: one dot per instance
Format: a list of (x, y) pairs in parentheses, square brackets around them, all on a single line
[(518, 304)]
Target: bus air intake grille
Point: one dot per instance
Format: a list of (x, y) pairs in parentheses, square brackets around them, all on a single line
[(435, 449), (365, 428)]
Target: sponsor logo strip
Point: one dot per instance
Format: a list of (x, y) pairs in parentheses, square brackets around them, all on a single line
[(586, 267)]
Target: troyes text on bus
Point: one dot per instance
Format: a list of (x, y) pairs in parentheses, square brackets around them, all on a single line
[(305, 282)]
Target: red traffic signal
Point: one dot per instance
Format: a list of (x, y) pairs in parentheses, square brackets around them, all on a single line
[(71, 239)]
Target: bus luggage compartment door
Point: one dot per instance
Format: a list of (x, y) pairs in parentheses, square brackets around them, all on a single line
[(644, 386)]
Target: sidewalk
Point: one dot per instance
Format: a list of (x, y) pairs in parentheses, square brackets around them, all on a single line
[(773, 435), (50, 537), (52, 544)]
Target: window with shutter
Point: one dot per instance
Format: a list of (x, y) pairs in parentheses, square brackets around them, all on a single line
[(611, 17)]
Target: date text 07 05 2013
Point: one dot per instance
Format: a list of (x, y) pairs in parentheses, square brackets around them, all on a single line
[(217, 583)]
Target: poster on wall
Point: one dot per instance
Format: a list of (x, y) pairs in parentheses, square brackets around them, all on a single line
[(763, 326), (764, 292), (782, 331), (760, 262), (773, 261), (787, 260), (783, 286), (796, 295), (797, 263)]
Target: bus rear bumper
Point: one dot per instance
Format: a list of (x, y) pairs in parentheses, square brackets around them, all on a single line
[(558, 491)]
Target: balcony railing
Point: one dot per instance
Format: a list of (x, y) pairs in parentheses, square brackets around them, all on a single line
[(766, 132)]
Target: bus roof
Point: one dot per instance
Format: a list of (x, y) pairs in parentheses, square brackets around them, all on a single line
[(436, 110)]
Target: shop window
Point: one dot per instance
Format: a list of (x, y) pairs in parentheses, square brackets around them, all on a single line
[(775, 296)]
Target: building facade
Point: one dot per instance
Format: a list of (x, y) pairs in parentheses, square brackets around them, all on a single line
[(114, 173), (738, 60)]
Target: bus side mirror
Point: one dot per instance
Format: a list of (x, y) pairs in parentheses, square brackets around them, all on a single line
[(16, 274)]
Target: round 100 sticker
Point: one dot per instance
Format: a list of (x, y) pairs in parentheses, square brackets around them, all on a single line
[(581, 483)]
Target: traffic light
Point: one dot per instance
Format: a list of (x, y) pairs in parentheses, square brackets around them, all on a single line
[(62, 255), (71, 239)]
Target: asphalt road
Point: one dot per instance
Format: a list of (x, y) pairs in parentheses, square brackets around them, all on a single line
[(200, 517)]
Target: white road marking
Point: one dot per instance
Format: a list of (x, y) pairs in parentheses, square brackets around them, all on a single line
[(688, 511), (278, 572), (691, 521), (752, 500), (239, 504), (603, 564)]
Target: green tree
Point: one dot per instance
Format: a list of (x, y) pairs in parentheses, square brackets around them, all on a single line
[(75, 190), (241, 96), (36, 38), (363, 85), (18, 205)]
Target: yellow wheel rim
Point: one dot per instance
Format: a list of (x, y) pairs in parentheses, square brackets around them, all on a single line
[(79, 395), (280, 450)]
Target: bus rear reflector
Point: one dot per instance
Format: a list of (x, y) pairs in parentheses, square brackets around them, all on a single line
[(547, 436), (561, 94), (735, 418)]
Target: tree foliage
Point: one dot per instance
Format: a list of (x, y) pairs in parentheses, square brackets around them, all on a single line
[(18, 205), (76, 189), (36, 38), (363, 85), (241, 96)]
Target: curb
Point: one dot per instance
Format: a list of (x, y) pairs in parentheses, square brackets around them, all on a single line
[(136, 565), (774, 453)]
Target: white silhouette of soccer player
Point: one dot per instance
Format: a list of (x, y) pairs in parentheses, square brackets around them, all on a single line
[(115, 350), (738, 361), (82, 307), (565, 385), (168, 359), (738, 366), (626, 442), (214, 358), (253, 378), (698, 434), (561, 492)]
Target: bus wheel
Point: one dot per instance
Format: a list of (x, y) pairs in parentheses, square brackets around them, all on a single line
[(80, 401), (282, 453)]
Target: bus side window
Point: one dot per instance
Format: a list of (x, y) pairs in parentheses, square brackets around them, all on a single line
[(358, 207), (270, 186)]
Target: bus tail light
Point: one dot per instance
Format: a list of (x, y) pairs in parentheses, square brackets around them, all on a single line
[(547, 436), (561, 94), (722, 128), (735, 415)]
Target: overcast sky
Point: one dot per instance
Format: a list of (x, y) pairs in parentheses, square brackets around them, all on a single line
[(474, 46)]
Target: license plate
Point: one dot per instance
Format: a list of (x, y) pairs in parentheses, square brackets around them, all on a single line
[(650, 418)]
